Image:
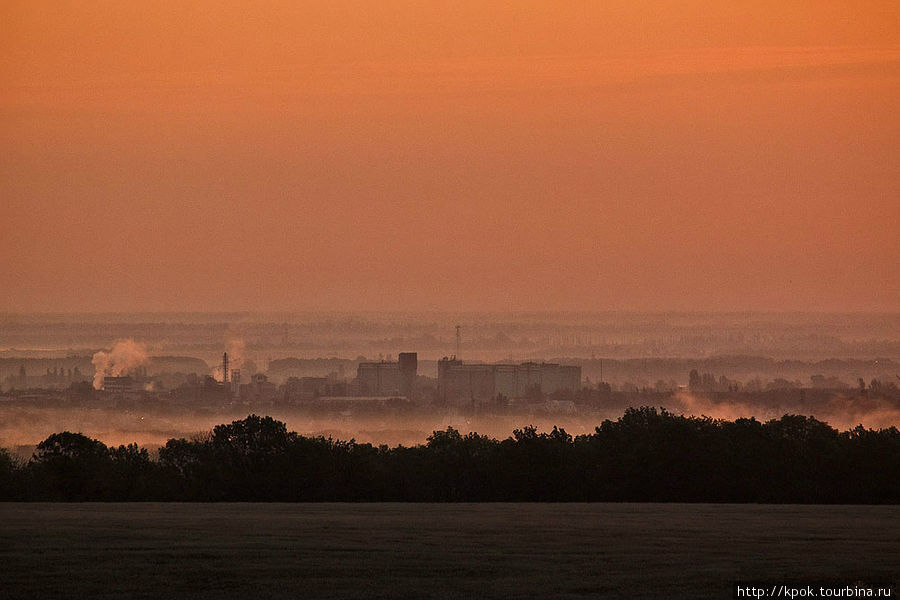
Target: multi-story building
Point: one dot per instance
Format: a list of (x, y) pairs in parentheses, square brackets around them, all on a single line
[(387, 378), (259, 388), (303, 389), (477, 382)]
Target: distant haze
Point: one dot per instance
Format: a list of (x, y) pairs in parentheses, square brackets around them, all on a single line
[(689, 155)]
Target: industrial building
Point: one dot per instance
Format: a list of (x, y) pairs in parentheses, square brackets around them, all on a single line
[(387, 378), (259, 388), (120, 385), (478, 382), (303, 389)]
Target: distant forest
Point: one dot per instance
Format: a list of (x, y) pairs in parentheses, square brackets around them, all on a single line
[(647, 455)]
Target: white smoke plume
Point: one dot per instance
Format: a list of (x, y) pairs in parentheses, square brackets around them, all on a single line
[(124, 357)]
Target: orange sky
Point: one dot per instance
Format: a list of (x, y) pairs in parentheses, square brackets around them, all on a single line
[(687, 155)]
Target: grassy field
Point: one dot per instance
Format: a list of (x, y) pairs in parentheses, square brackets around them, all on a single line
[(434, 551)]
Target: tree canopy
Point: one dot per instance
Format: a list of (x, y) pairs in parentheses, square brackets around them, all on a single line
[(647, 454)]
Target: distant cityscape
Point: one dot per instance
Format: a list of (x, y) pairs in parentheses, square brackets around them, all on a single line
[(458, 382), (393, 377)]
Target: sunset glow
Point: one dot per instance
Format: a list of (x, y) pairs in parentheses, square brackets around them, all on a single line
[(355, 155)]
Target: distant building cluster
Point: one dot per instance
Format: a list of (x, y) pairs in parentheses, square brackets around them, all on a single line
[(302, 389), (387, 378), (458, 384), (479, 383), (55, 377), (467, 382), (136, 381)]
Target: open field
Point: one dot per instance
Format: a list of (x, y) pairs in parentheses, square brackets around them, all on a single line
[(435, 551)]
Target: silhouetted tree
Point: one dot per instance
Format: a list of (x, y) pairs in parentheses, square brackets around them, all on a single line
[(71, 467), (647, 454), (10, 477)]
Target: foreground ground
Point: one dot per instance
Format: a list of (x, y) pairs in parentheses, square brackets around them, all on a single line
[(435, 551)]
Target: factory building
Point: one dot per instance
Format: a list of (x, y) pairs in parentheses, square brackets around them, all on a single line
[(120, 385), (459, 382), (259, 388), (304, 389), (387, 378)]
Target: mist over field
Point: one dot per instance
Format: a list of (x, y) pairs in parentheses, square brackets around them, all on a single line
[(22, 427)]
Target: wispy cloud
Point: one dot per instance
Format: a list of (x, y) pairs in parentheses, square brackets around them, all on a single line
[(473, 75)]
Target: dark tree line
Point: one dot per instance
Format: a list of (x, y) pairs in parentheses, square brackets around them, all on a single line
[(645, 455)]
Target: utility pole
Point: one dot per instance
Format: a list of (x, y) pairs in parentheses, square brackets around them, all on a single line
[(457, 343)]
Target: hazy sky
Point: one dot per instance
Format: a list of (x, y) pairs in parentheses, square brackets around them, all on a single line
[(466, 155)]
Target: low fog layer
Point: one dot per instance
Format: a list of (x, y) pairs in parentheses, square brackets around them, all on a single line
[(22, 427), (27, 426)]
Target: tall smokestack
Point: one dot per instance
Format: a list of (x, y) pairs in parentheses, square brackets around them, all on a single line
[(225, 367)]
